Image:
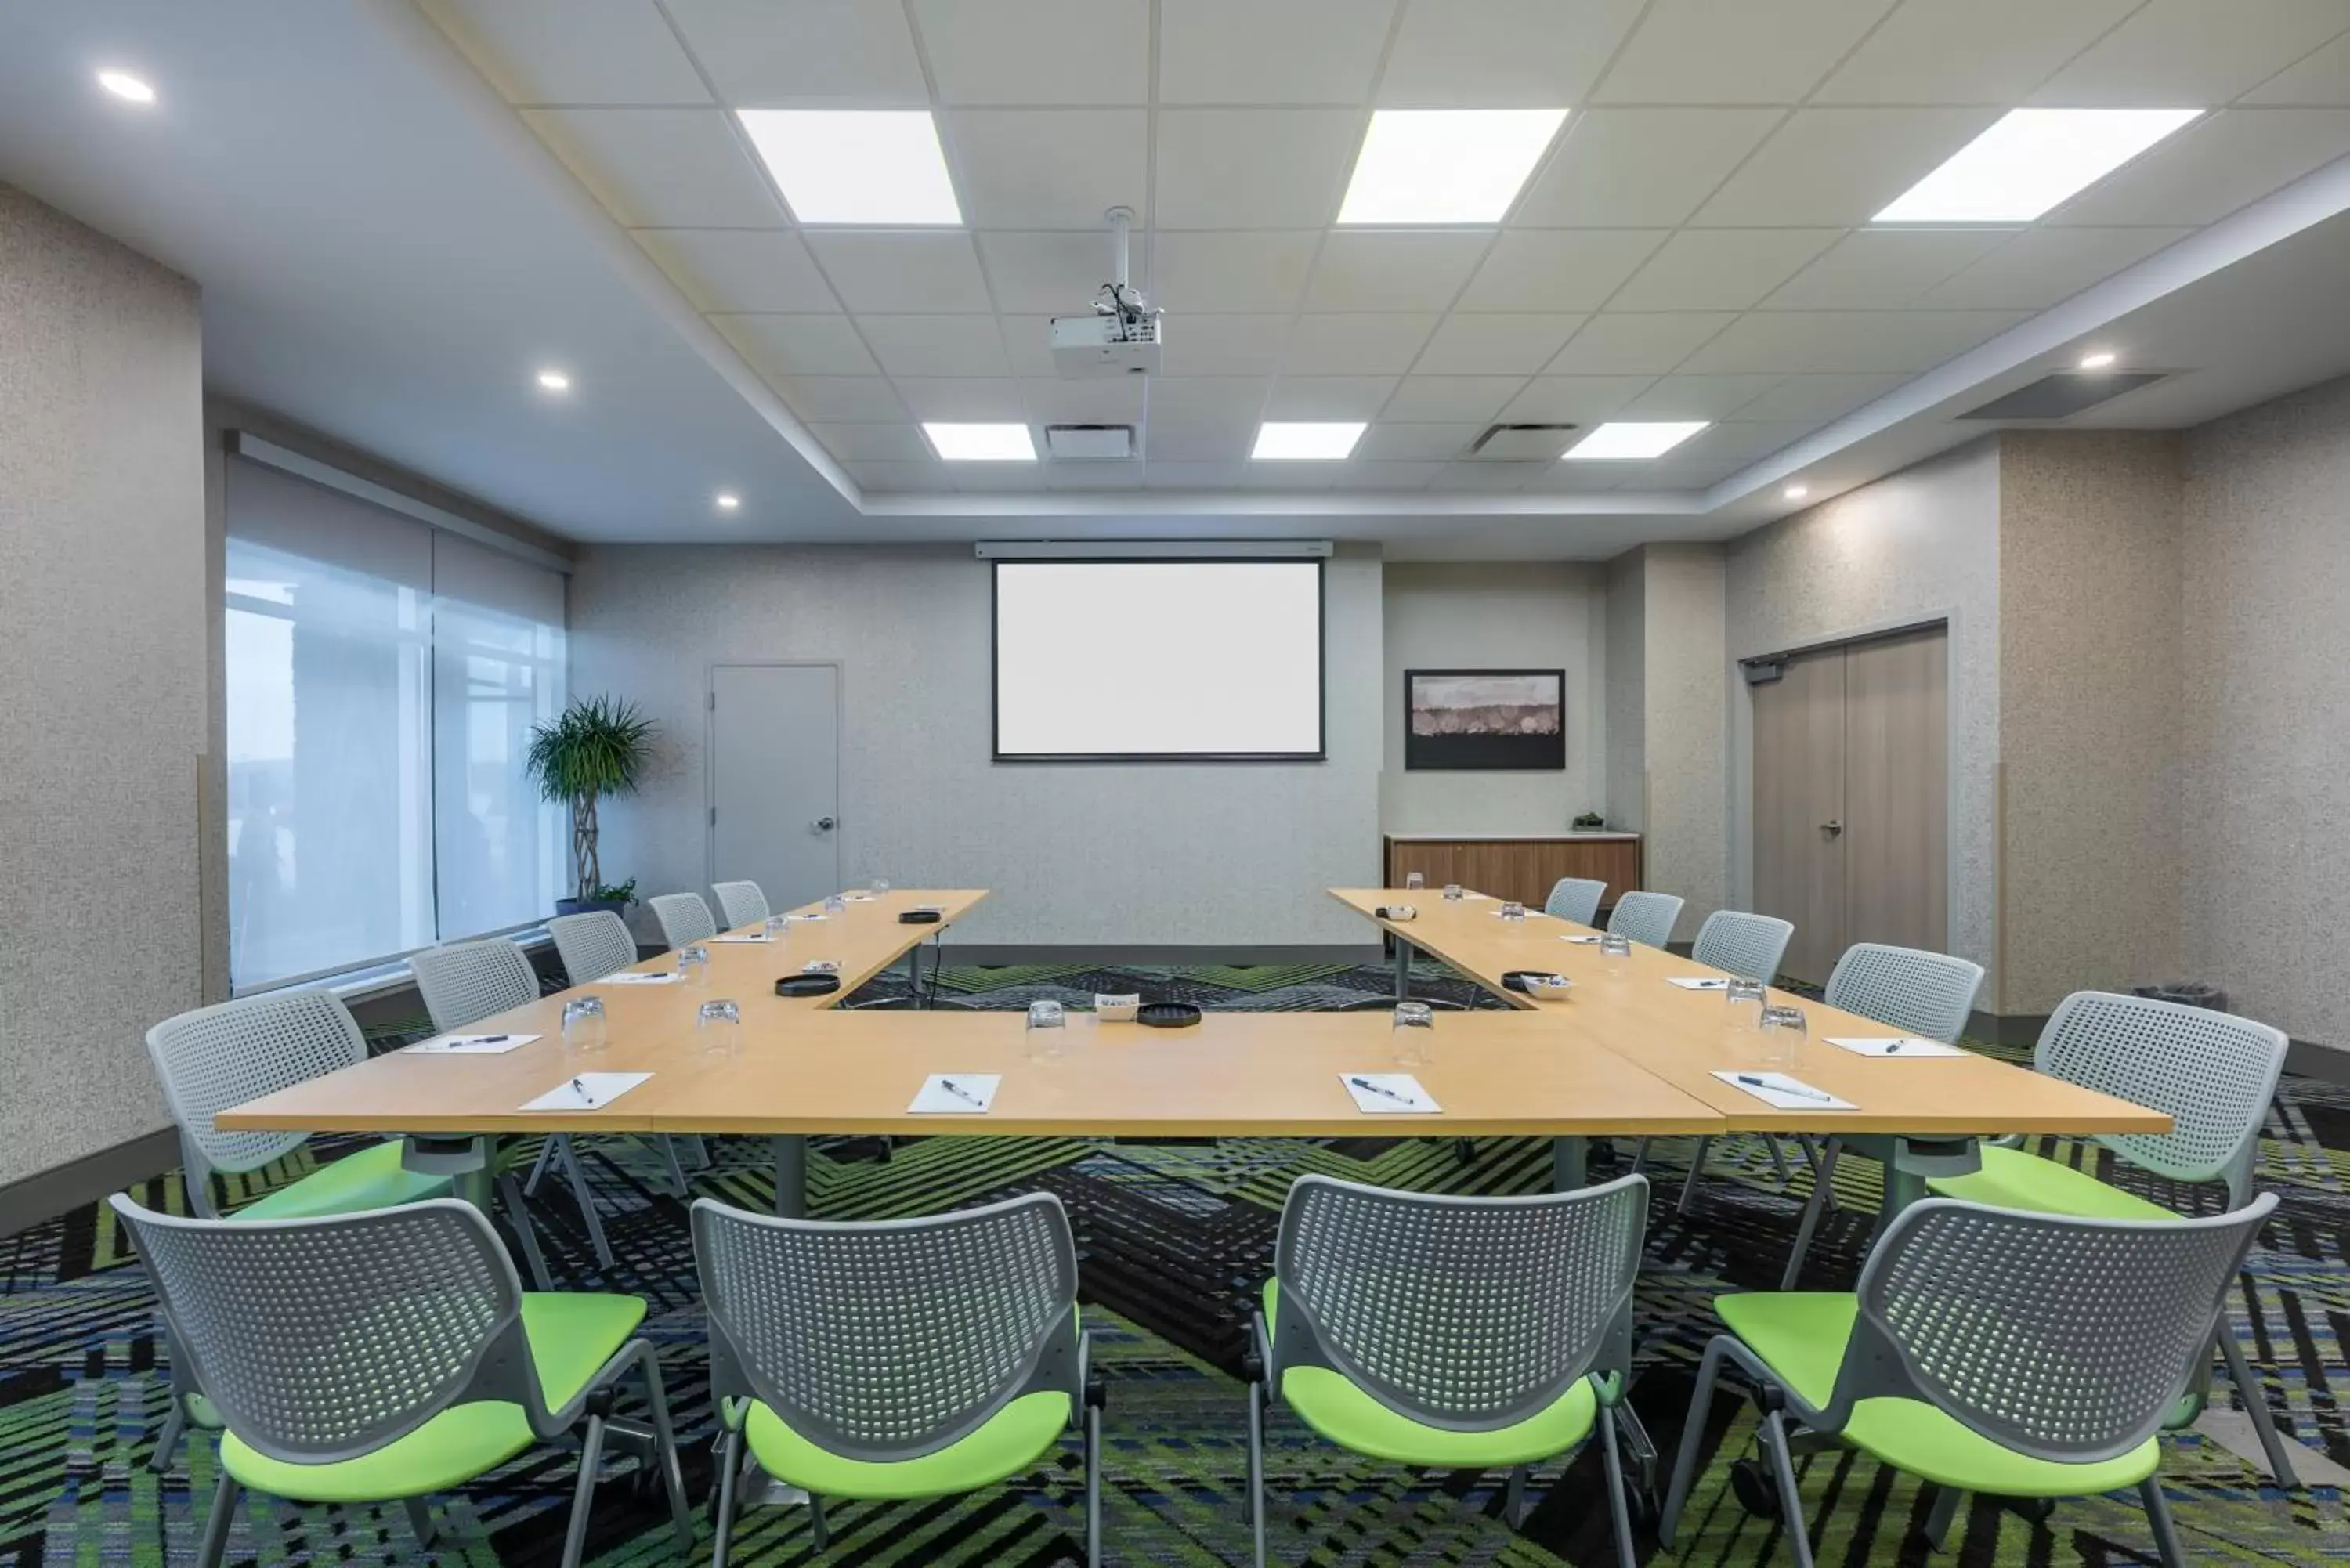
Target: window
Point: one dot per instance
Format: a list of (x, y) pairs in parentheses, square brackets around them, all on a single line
[(382, 679)]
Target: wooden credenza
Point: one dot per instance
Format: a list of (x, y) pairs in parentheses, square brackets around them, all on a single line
[(1521, 869)]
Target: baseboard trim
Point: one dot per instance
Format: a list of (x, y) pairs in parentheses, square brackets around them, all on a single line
[(2307, 1058), (44, 1196), (1003, 953), (2006, 1028)]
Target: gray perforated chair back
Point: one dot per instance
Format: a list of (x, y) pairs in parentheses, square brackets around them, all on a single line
[(887, 1340), (2214, 1073), (1576, 899), (222, 1056), (2064, 1338), (465, 983), (1743, 944), (324, 1339), (592, 945), (1468, 1313), (1647, 918), (1918, 993), (683, 918), (742, 903)]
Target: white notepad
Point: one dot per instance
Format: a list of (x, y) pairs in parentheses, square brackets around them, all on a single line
[(762, 937), (1530, 914), (470, 1044), (1591, 939), (1785, 1092), (666, 977), (1389, 1094), (956, 1095), (1699, 981), (803, 917), (1900, 1047), (587, 1092)]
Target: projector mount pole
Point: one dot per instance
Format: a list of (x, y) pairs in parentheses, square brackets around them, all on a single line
[(1117, 297)]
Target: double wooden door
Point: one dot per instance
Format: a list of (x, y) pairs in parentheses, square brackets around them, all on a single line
[(1852, 797)]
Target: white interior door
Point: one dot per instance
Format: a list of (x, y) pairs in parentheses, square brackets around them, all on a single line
[(774, 779)]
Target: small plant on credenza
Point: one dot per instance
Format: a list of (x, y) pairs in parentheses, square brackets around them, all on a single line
[(1590, 821)]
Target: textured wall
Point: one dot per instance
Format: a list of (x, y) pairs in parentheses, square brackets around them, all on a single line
[(2265, 724), (1685, 730), (102, 698), (2088, 713), (1916, 545), (1514, 615), (1626, 641), (1096, 853)]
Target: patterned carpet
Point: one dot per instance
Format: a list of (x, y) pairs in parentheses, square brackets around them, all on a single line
[(1174, 1239)]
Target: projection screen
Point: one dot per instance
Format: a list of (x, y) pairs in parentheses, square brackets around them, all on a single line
[(1157, 660)]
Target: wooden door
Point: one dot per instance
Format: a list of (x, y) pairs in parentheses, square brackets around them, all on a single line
[(1896, 796), (1799, 781)]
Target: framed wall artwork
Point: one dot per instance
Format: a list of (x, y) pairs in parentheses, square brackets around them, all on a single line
[(1485, 719)]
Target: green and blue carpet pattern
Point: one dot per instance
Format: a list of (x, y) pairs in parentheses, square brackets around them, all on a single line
[(1175, 1239)]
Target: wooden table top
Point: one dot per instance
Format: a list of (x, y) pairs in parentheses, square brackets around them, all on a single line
[(1683, 1037)]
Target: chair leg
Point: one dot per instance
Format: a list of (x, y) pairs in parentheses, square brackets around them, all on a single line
[(818, 1529), (1513, 1498), (1616, 1505), (730, 1466), (1823, 1174), (1791, 1500), (525, 1233), (1092, 1487), (1778, 1159), (1696, 1169), (546, 1153), (1709, 1372), (577, 1175), (583, 1495), (1640, 1157), (668, 1146), (1940, 1518), (1810, 1144), (167, 1441), (681, 1512), (2157, 1514), (2256, 1406), (419, 1519), (1256, 1470), (699, 1148), (216, 1527)]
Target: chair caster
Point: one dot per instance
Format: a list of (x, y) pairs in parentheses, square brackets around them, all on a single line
[(1750, 1482)]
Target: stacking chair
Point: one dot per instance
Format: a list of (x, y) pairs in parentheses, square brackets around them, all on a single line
[(742, 903), (592, 945), (683, 918), (1921, 994), (385, 1357), (2022, 1355), (1741, 944), (1576, 899), (895, 1359), (1445, 1333), (2213, 1073), (1647, 918)]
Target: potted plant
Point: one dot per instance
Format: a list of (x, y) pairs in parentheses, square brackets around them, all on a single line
[(594, 748)]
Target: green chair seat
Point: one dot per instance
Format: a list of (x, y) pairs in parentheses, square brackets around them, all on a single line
[(1801, 1335), (1340, 1409), (371, 1179), (2011, 1179), (571, 1337), (1009, 1443)]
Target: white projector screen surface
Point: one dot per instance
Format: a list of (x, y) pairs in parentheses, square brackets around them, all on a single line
[(1158, 659)]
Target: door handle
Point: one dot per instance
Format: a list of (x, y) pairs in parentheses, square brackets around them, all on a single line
[(823, 825), (1832, 827)]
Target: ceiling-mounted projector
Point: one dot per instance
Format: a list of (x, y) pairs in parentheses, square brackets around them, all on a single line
[(1121, 337)]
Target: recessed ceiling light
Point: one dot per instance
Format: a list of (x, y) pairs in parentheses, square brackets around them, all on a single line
[(856, 165), (123, 85), (728, 501), (982, 443), (553, 381), (2029, 161), (2096, 362), (1322, 442), (1797, 492), (1445, 165), (1619, 439)]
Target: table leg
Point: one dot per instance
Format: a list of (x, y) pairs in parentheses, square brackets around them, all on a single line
[(791, 1175), (914, 976), (1568, 1159), (1910, 1161), (468, 1162), (1403, 970)]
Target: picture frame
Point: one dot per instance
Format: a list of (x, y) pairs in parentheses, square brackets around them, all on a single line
[(1474, 721)]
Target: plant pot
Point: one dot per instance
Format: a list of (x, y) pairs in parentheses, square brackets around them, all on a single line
[(589, 906)]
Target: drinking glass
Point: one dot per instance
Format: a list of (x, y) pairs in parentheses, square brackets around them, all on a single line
[(779, 927), (1452, 891), (1513, 912), (1049, 1031), (1616, 952), (693, 965), (583, 1023), (833, 903), (1413, 881), (1782, 1036), (1413, 1033), (1747, 999), (719, 1025), (879, 887)]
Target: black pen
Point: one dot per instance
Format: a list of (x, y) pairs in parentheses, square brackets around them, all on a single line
[(486, 1039), (1382, 1089), (582, 1090), (951, 1087), (1796, 1089)]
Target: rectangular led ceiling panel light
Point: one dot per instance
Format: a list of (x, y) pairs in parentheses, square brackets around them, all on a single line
[(1320, 443), (982, 443), (1622, 441), (1446, 165), (856, 165), (2030, 161)]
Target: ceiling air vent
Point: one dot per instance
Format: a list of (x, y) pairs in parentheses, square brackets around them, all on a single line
[(1521, 443), (2065, 393), (1090, 444)]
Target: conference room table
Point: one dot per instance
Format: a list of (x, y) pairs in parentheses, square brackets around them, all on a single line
[(1624, 1055)]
